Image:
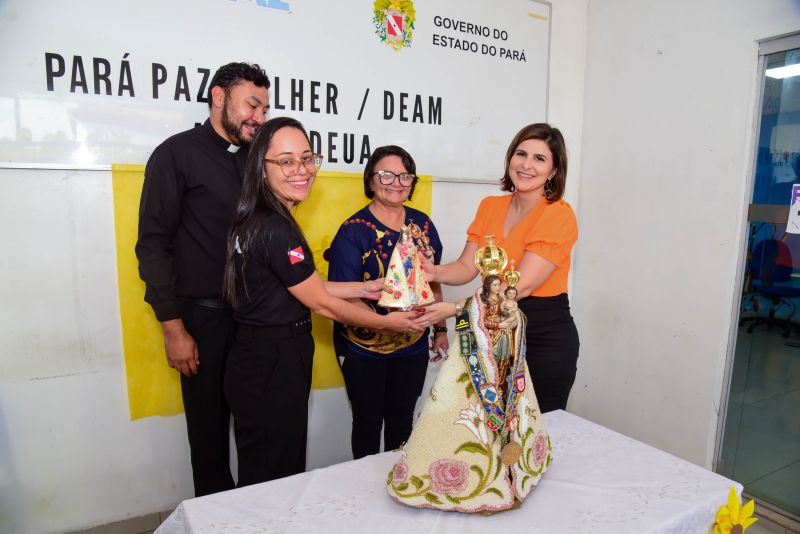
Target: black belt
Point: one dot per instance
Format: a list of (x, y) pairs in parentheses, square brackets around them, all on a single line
[(303, 326), (208, 303)]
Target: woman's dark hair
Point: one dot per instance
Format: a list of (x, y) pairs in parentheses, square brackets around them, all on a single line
[(256, 201), (229, 75), (555, 142), (486, 288), (379, 154)]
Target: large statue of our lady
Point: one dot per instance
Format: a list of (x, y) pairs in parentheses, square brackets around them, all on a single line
[(480, 445)]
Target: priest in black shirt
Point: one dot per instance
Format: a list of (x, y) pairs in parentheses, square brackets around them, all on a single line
[(191, 188)]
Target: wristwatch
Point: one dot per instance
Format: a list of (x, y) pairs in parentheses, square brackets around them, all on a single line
[(438, 329)]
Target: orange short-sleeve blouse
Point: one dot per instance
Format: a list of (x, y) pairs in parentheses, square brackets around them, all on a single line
[(549, 230)]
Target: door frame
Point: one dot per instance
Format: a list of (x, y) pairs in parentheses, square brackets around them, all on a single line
[(765, 47)]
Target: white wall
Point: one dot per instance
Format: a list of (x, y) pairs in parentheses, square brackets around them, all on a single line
[(567, 72), (69, 455), (667, 142)]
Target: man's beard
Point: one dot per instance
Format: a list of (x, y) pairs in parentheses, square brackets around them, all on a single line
[(232, 129)]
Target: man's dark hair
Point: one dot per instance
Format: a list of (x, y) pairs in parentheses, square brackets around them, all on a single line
[(229, 75)]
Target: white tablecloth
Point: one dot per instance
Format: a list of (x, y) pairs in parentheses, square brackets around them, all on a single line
[(599, 482)]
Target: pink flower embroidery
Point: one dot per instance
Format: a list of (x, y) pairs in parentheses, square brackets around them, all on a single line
[(449, 477), (400, 472), (540, 451)]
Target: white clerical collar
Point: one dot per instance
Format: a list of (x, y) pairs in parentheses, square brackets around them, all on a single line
[(233, 149)]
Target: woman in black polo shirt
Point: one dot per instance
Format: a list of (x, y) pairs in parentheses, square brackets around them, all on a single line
[(271, 282)]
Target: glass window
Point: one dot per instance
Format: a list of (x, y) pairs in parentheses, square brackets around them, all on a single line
[(760, 445)]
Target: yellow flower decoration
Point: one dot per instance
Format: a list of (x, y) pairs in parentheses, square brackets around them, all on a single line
[(733, 518)]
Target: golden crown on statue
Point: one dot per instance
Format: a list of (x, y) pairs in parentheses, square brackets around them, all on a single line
[(492, 259), (512, 276)]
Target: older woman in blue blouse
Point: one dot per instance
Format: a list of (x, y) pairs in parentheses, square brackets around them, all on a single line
[(384, 372)]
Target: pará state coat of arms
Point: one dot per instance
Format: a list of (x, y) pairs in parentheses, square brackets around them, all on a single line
[(394, 22)]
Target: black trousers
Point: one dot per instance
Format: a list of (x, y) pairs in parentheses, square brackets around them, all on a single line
[(381, 392), (267, 383), (207, 413), (552, 349)]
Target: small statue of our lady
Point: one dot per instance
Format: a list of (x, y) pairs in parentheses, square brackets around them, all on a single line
[(406, 286)]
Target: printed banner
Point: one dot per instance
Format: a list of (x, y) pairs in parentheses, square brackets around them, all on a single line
[(448, 80)]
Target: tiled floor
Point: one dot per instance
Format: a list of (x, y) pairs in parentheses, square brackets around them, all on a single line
[(759, 527), (769, 523), (136, 525), (761, 444)]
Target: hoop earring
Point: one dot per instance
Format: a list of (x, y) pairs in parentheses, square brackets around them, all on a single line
[(548, 189)]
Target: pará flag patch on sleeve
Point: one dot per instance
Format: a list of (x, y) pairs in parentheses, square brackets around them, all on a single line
[(296, 255)]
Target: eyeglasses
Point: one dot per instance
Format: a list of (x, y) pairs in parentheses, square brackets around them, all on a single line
[(290, 167), (388, 177)]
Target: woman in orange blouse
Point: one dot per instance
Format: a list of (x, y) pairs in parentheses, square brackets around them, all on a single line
[(537, 229)]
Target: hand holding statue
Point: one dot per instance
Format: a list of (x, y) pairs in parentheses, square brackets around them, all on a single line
[(427, 266), (373, 289), (402, 322), (434, 313)]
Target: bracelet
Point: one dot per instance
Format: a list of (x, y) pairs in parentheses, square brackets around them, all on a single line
[(438, 329)]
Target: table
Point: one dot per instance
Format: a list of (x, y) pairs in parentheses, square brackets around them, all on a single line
[(599, 482)]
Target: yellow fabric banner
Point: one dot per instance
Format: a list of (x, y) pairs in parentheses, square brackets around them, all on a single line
[(154, 388)]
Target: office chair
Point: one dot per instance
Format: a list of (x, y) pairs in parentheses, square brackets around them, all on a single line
[(770, 265)]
